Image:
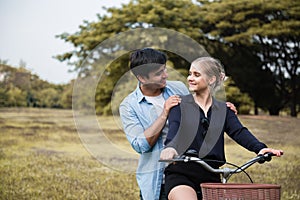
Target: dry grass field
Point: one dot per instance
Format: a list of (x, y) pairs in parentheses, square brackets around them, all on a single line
[(43, 157)]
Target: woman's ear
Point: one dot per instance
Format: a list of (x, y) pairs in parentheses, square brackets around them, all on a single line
[(212, 80)]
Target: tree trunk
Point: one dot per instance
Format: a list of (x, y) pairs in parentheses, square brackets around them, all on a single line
[(293, 106), (294, 97), (255, 110), (274, 111)]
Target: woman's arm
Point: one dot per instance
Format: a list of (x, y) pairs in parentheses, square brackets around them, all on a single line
[(153, 132), (239, 133), (174, 123)]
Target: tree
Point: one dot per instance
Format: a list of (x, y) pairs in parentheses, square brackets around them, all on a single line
[(48, 98), (16, 97), (238, 32), (137, 14), (242, 101), (3, 97), (19, 87), (269, 30), (66, 96)]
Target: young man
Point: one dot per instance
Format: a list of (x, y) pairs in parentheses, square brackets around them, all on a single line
[(144, 115)]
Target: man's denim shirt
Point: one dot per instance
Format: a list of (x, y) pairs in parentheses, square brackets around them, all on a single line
[(137, 115)]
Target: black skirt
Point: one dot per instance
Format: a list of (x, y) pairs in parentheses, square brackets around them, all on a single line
[(188, 173)]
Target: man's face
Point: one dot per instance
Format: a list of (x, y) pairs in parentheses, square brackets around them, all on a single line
[(156, 79)]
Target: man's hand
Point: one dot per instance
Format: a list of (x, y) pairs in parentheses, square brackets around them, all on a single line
[(168, 153), (232, 107), (172, 101)]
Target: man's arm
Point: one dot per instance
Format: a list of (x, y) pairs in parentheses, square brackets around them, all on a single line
[(153, 132), (142, 140), (133, 128)]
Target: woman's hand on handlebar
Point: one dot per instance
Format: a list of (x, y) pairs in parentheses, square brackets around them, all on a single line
[(168, 153), (276, 152)]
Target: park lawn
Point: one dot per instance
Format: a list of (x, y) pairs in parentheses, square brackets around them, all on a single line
[(43, 157)]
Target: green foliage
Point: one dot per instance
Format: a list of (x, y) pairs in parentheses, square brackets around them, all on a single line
[(3, 97), (269, 30), (48, 97), (107, 83), (256, 40), (20, 88), (16, 97), (136, 14), (242, 101), (66, 96)]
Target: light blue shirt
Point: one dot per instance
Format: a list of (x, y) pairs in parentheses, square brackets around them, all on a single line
[(137, 115)]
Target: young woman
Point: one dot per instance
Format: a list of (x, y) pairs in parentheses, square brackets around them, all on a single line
[(144, 114), (198, 124)]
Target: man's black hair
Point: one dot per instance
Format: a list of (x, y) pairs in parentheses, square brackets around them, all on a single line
[(143, 61)]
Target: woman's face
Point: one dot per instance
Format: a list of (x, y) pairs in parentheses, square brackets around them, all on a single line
[(197, 80)]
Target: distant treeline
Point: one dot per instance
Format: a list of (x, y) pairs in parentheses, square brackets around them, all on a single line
[(20, 88)]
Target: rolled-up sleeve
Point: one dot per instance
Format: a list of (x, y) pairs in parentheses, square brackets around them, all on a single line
[(133, 129)]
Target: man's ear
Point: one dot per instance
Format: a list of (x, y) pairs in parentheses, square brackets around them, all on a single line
[(141, 78)]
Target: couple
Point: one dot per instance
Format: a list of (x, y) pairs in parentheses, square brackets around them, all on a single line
[(152, 114)]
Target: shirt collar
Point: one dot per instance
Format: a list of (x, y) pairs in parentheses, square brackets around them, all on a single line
[(215, 104), (141, 96)]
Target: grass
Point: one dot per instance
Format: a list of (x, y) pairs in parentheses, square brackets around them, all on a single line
[(43, 157), (276, 132)]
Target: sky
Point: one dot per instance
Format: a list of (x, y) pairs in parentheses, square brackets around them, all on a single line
[(28, 29)]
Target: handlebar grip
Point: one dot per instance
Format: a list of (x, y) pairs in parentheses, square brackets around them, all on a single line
[(265, 157)]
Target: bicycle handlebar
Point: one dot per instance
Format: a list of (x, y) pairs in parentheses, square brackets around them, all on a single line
[(226, 172)]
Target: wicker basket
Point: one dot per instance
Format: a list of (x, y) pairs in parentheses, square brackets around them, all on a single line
[(232, 191)]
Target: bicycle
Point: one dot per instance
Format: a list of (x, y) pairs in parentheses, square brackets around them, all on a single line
[(234, 191)]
